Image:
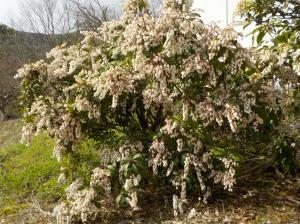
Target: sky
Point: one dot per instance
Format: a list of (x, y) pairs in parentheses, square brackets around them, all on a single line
[(8, 8), (213, 10)]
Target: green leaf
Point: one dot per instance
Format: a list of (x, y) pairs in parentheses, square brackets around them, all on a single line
[(122, 200), (97, 204), (119, 200), (237, 158), (138, 156), (218, 152), (112, 169), (124, 167), (283, 38), (135, 168), (260, 36)]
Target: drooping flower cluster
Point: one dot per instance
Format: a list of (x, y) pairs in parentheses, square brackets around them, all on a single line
[(81, 206), (169, 95)]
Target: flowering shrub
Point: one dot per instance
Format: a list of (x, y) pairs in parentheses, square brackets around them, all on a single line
[(172, 100)]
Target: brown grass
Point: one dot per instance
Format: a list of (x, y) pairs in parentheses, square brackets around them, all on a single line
[(10, 132)]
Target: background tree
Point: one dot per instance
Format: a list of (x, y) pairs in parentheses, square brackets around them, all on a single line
[(277, 34), (51, 18), (277, 29), (91, 14)]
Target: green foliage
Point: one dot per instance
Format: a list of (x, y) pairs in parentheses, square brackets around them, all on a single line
[(285, 150), (276, 27), (277, 32), (81, 163), (11, 208), (28, 171)]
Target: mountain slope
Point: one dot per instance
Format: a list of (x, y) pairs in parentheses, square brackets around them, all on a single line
[(16, 49)]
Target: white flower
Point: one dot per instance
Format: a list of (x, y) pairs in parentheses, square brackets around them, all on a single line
[(62, 178), (192, 213)]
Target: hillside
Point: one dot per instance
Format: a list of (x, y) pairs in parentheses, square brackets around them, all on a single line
[(16, 49)]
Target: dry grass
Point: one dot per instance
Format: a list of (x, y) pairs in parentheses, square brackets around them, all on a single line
[(10, 132)]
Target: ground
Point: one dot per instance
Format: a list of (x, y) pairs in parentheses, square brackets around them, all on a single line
[(265, 202), (267, 198)]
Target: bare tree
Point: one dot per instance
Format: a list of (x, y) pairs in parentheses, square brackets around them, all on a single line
[(59, 20), (47, 16), (91, 14), (52, 19)]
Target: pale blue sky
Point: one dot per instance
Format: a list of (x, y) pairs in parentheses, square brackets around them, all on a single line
[(214, 10)]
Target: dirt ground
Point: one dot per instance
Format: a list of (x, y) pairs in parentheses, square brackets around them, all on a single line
[(263, 200)]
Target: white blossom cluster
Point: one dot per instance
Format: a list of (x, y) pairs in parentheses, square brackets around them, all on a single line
[(169, 88), (130, 186), (296, 61), (101, 178), (81, 199)]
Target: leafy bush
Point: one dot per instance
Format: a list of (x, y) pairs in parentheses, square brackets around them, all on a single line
[(80, 165), (171, 101), (277, 35)]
